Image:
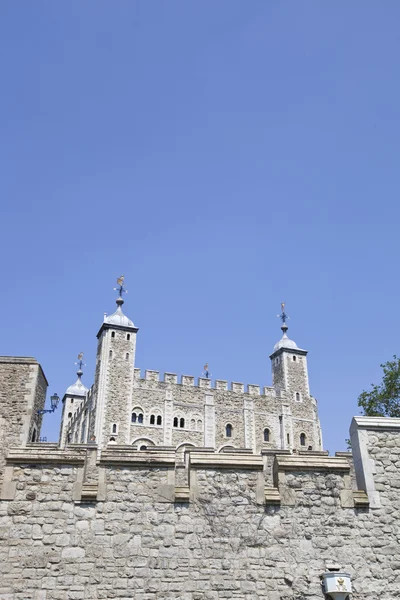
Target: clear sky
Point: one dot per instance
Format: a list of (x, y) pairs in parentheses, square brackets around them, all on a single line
[(224, 156)]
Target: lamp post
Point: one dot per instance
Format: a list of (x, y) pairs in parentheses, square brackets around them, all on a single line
[(54, 400)]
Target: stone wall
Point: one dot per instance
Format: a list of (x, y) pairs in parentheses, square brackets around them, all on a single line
[(248, 526), (22, 393)]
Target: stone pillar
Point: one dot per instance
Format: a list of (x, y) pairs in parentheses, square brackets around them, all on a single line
[(209, 421), (168, 417), (249, 424)]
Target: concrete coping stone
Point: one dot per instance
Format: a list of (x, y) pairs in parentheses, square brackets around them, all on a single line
[(378, 423), (45, 455), (313, 463), (225, 460), (138, 458)]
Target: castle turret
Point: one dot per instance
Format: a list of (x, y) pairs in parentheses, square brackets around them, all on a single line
[(114, 376), (72, 401), (289, 365), (299, 423)]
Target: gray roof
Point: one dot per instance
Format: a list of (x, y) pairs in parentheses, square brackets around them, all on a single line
[(285, 342), (77, 389), (118, 318)]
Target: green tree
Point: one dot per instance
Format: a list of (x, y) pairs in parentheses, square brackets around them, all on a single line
[(383, 400)]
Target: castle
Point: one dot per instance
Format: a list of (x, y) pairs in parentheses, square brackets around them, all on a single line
[(159, 489)]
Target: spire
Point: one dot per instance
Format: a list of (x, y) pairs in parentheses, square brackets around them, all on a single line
[(78, 389)]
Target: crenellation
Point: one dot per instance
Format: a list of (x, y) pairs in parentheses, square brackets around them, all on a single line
[(253, 390), (238, 388), (152, 375), (221, 384), (170, 378), (187, 380), (204, 382)]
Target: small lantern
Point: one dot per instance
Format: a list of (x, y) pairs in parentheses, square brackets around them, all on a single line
[(54, 400), (337, 586)]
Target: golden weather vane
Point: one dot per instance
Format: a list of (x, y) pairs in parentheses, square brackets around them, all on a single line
[(121, 286)]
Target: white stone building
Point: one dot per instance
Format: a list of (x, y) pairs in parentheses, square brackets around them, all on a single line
[(124, 408)]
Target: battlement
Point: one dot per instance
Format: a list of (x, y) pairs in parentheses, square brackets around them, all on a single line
[(204, 383)]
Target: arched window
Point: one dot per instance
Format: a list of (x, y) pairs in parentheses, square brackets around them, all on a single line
[(294, 359), (128, 336), (69, 415), (140, 418), (34, 435), (199, 424), (127, 356), (297, 397), (175, 421), (134, 417), (192, 424), (110, 354), (152, 420), (228, 430), (143, 448), (159, 420), (114, 428), (302, 439), (113, 334), (112, 439), (182, 422), (266, 435)]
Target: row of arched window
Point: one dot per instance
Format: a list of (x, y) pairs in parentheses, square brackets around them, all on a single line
[(128, 335), (137, 417)]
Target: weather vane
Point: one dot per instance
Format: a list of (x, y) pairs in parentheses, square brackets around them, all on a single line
[(283, 316), (80, 361), (206, 371), (121, 287)]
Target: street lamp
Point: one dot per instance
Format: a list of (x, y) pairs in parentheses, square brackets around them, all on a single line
[(54, 400)]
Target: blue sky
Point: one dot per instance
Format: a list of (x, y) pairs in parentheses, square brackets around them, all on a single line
[(224, 156)]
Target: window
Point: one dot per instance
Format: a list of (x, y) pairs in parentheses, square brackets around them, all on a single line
[(34, 435), (192, 424), (175, 421), (113, 334), (302, 439), (228, 430), (266, 435), (112, 439), (114, 428), (199, 424), (72, 401), (294, 359), (140, 418), (137, 415), (69, 415), (143, 448), (288, 438), (127, 356), (110, 354), (152, 420), (134, 417), (297, 397), (159, 420), (128, 336), (182, 422)]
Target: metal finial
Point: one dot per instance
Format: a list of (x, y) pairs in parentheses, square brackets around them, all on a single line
[(121, 286), (283, 316), (80, 363)]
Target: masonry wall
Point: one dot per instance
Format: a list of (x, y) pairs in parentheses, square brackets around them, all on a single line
[(22, 393), (227, 542)]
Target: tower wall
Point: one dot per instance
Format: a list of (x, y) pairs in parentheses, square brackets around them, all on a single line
[(23, 389)]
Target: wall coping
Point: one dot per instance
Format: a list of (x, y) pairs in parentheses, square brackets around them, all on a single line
[(42, 455), (315, 463), (383, 423), (132, 457), (225, 460)]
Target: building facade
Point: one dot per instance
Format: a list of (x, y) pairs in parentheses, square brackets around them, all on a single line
[(124, 408)]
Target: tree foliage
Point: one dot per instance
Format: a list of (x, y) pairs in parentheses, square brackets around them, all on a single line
[(383, 400)]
